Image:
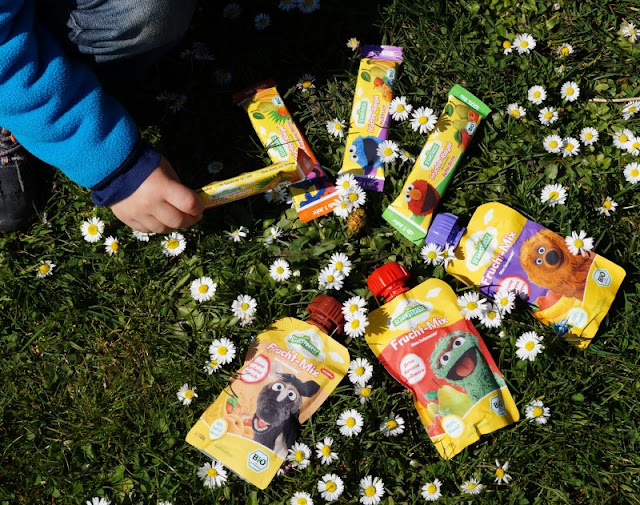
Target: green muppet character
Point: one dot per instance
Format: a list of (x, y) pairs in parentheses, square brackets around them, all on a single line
[(458, 359)]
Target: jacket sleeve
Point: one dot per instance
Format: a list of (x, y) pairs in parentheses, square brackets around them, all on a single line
[(55, 105)]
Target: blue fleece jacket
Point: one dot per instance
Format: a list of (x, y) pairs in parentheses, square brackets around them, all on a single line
[(56, 108)]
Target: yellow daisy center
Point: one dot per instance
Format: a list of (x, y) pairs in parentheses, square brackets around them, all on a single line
[(366, 392), (635, 172), (343, 205), (353, 308), (280, 270), (472, 305), (345, 184), (624, 138), (635, 145), (564, 51), (370, 491), (515, 112), (504, 301), (553, 144), (326, 450), (632, 31), (301, 501), (536, 94), (213, 363), (422, 120), (491, 314), (306, 84), (569, 91), (607, 204), (569, 147), (499, 473), (114, 246), (203, 288), (431, 488), (339, 265), (548, 115), (506, 44), (554, 195), (360, 370), (353, 197), (44, 268), (524, 44), (355, 324), (432, 255), (92, 229), (173, 244), (530, 345), (579, 243), (330, 278), (537, 411), (222, 351), (351, 422), (632, 109), (188, 394), (299, 456), (212, 472), (337, 126), (388, 151), (331, 486), (588, 135), (392, 424), (471, 486), (244, 306)]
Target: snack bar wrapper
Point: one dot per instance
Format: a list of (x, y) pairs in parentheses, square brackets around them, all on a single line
[(411, 212), (316, 195), (370, 115), (256, 182)]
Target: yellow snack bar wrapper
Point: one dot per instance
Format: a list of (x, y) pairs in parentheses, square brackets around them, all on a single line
[(502, 250), (369, 120), (411, 212), (256, 182), (289, 371), (314, 196), (425, 343)]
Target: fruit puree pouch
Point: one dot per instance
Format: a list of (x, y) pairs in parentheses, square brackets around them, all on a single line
[(411, 212), (425, 343), (369, 120), (314, 196), (503, 249), (289, 371)]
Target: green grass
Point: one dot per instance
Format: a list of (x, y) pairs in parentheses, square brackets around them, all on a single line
[(91, 357)]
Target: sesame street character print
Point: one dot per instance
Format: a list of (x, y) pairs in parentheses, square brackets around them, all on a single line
[(421, 197), (364, 152)]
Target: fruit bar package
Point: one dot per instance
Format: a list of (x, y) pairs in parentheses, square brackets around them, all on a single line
[(370, 115), (290, 370), (425, 343), (502, 249), (411, 212), (316, 195)]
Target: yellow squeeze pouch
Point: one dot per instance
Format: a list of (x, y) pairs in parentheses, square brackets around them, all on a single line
[(503, 249), (289, 371), (423, 341)]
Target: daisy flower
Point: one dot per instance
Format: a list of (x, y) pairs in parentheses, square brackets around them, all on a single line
[(202, 289), (537, 412), (223, 76), (336, 127), (472, 486), (633, 146), (305, 83), (505, 300), (45, 269), (524, 43), (98, 501), (548, 115), (589, 135), (371, 490), (308, 6), (301, 498), (298, 456), (516, 111), (330, 278), (350, 422), (212, 474), (343, 208), (287, 5), (231, 10), (632, 172), (222, 350), (399, 108), (630, 109), (570, 91), (112, 245), (507, 47), (448, 255), (356, 197), (423, 120), (393, 426), (92, 229), (552, 143), (579, 243), (471, 305), (363, 392), (279, 270), (142, 236), (607, 207), (491, 317), (360, 371), (553, 194), (261, 21), (537, 94), (502, 477), (629, 32), (186, 394), (273, 235), (432, 254), (571, 147), (565, 50), (407, 156), (244, 306), (174, 244), (431, 490), (621, 138), (354, 305), (387, 151), (341, 263), (330, 487), (211, 366), (275, 195), (237, 235), (356, 324), (346, 184), (529, 345), (324, 451), (353, 43)]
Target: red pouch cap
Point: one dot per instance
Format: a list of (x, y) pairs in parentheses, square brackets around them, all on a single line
[(326, 314), (388, 281)]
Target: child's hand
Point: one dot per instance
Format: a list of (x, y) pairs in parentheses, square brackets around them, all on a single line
[(161, 203)]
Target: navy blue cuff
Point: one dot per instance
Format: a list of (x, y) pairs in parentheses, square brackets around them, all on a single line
[(142, 160)]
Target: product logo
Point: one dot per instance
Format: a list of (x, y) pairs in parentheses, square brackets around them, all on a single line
[(409, 313), (277, 101), (258, 460), (497, 405), (430, 155), (360, 112), (275, 145), (481, 247), (602, 277), (307, 343)]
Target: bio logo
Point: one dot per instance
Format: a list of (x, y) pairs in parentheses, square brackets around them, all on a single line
[(258, 460), (497, 405), (602, 277)]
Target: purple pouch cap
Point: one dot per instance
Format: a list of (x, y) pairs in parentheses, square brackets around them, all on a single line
[(444, 231)]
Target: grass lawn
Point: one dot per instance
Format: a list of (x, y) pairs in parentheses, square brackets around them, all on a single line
[(92, 356)]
